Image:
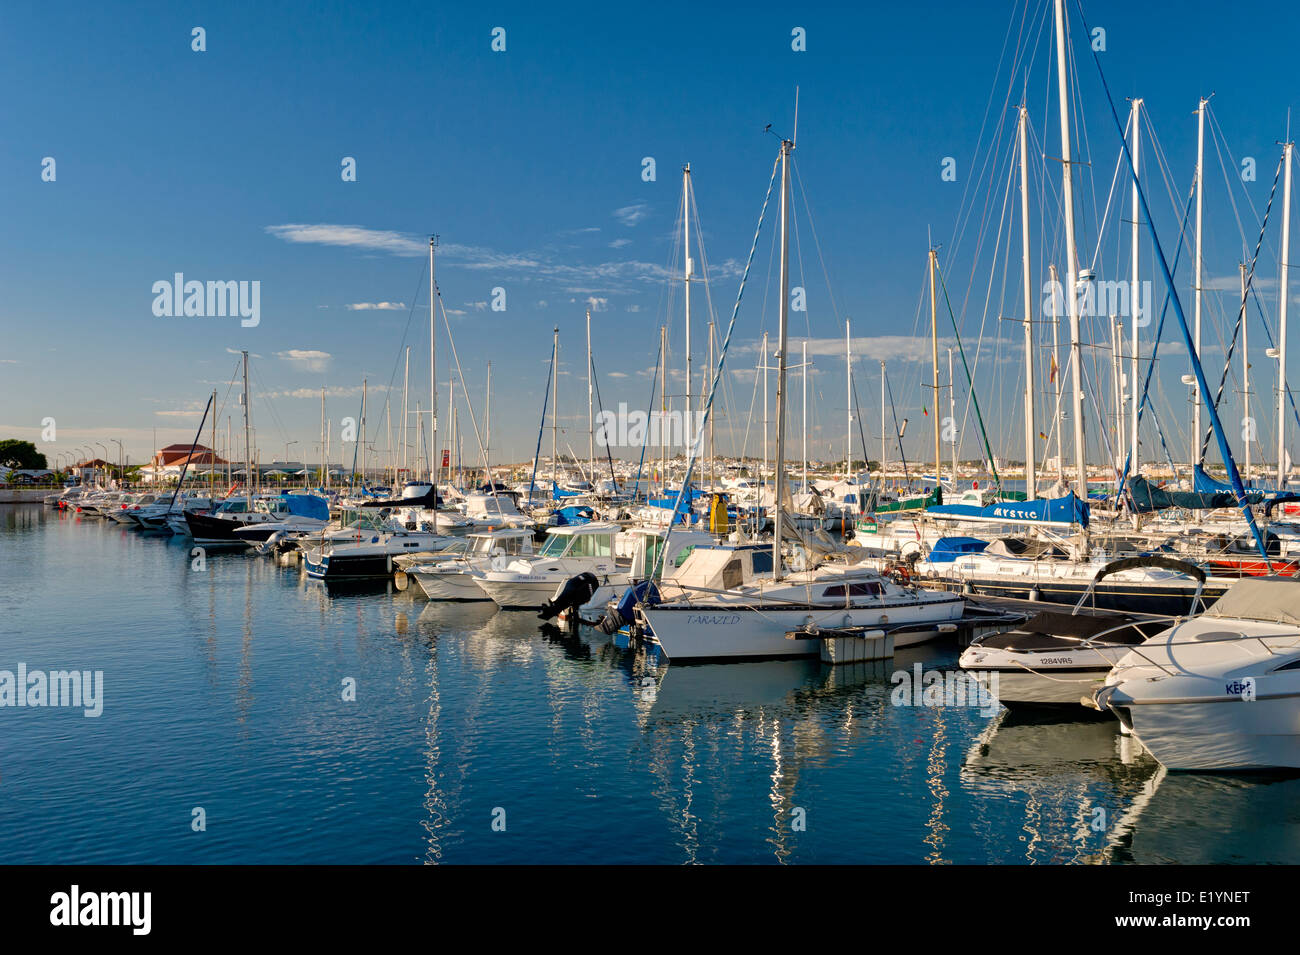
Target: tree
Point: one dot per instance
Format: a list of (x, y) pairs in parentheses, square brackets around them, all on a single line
[(20, 454)]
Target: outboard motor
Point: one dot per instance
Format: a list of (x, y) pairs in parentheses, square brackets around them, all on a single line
[(623, 613), (570, 595)]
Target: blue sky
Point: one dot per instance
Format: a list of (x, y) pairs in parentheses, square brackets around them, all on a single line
[(528, 165)]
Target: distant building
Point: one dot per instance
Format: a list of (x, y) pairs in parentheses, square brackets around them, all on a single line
[(181, 454)]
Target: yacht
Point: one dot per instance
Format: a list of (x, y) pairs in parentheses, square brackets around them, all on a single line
[(724, 602), (453, 578), (1220, 692), (1058, 656)]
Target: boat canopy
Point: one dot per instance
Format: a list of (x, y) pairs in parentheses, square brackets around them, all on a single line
[(1266, 599), (306, 505), (1059, 511), (1148, 497), (1151, 560)]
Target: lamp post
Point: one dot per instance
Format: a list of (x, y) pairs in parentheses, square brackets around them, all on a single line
[(120, 476)]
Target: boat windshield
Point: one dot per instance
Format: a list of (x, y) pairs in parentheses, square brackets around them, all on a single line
[(556, 545)]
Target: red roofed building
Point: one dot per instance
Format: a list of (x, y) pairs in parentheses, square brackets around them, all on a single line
[(180, 454)]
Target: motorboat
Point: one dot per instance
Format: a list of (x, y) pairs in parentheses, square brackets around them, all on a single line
[(1219, 692), (1057, 656), (453, 579), (724, 602)]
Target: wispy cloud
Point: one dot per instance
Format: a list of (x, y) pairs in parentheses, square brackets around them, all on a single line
[(619, 243), (631, 215), (305, 359), (376, 306), (333, 391)]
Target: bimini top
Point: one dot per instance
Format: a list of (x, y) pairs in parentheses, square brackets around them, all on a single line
[(1266, 599)]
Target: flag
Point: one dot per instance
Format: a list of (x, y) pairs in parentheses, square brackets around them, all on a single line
[(1052, 375), (1042, 436), (924, 411)]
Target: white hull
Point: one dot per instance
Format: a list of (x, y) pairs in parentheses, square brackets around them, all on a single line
[(735, 632), (457, 586), (515, 591), (1051, 677), (1230, 734)]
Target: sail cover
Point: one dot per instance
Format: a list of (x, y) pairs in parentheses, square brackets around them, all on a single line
[(1065, 511)]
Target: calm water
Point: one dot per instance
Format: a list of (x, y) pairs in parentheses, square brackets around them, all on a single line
[(223, 690)]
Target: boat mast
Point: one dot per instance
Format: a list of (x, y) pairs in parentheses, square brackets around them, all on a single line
[(663, 409), (433, 368), (1196, 276), (934, 362), (804, 366), (762, 478), (248, 457), (555, 408), (952, 413), (406, 421), (1057, 424), (363, 432), (712, 474), (591, 434), (882, 424), (787, 146), (1071, 263), (1245, 369), (487, 421), (848, 401), (1281, 318), (1031, 434), (686, 274), (1135, 297), (212, 458)]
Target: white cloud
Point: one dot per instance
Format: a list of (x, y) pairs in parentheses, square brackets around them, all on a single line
[(631, 215), (617, 374), (597, 304), (306, 359), (376, 306), (619, 243)]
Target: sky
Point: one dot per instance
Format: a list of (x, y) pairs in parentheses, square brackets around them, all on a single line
[(227, 164)]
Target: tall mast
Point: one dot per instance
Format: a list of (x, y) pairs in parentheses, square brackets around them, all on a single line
[(212, 458), (433, 367), (1245, 370), (663, 406), (934, 361), (363, 432), (1197, 275), (952, 412), (555, 407), (1135, 297), (762, 478), (1116, 344), (406, 421), (487, 417), (882, 423), (1057, 424), (248, 457), (848, 401), (1031, 432), (804, 366), (686, 274), (591, 434), (784, 315), (711, 417), (1281, 318), (1071, 262)]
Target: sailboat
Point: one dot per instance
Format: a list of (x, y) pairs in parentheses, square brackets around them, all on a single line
[(737, 600)]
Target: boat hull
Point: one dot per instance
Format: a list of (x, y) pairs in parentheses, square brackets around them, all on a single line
[(1131, 598), (724, 632), (1220, 735), (458, 586)]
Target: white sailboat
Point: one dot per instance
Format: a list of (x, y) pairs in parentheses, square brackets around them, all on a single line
[(736, 601)]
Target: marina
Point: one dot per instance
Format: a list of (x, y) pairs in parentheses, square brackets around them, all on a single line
[(832, 468)]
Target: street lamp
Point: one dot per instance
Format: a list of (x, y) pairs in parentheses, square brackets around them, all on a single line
[(119, 457)]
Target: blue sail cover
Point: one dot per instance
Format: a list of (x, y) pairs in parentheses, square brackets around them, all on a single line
[(1060, 511), (306, 505), (1202, 483)]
